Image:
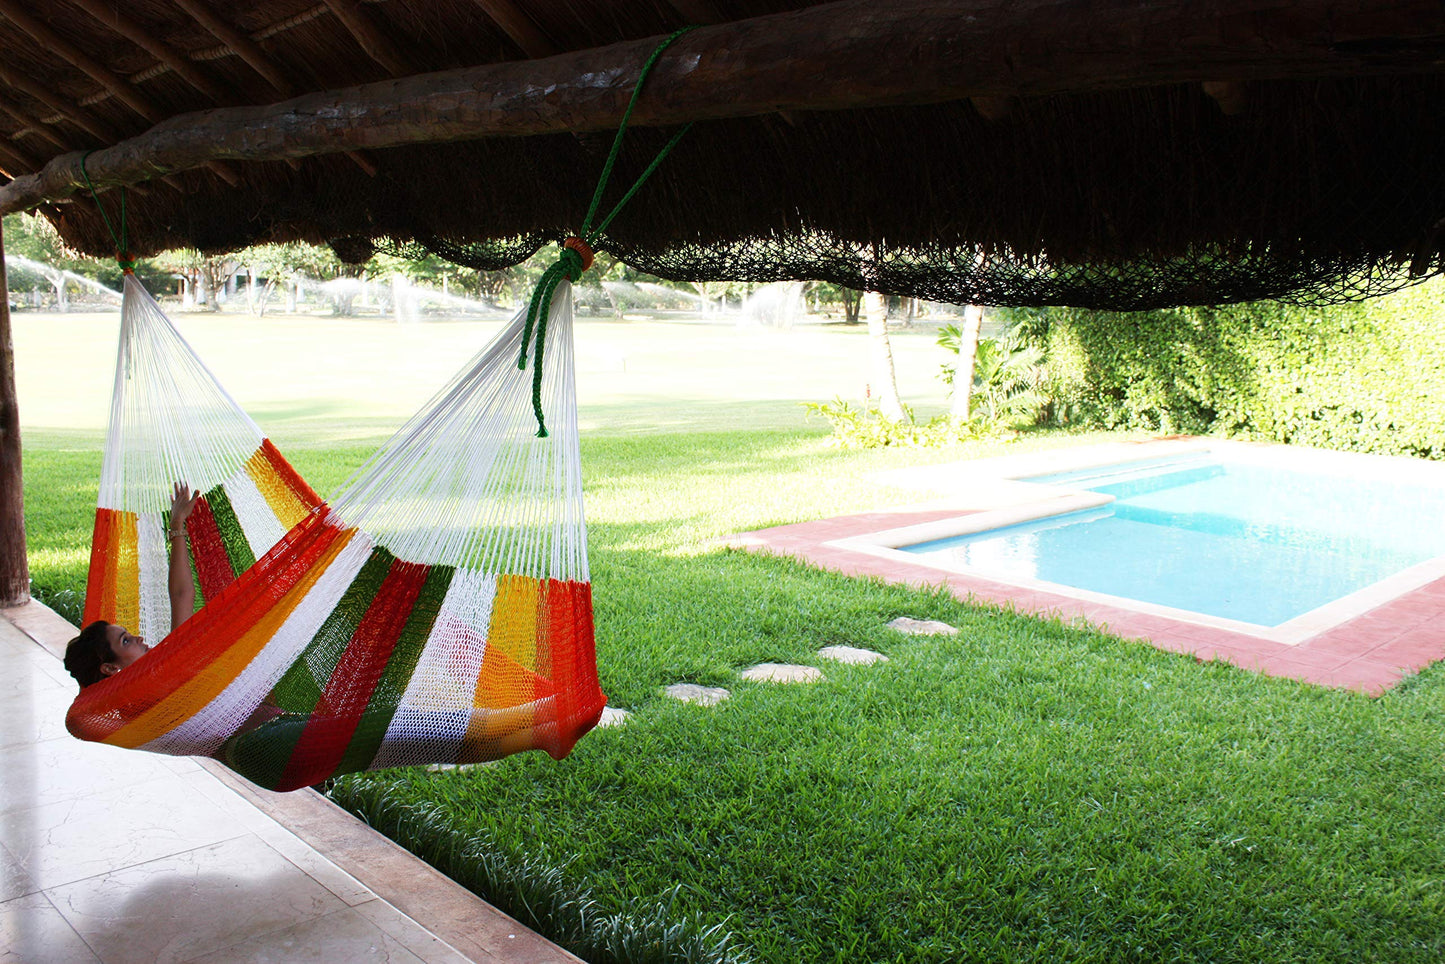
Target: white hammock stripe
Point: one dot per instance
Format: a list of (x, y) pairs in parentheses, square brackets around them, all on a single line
[(257, 520), (154, 562), (170, 419), (445, 680)]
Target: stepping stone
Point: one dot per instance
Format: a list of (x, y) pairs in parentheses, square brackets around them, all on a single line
[(444, 767), (852, 654), (781, 673), (614, 716), (692, 693), (922, 627)]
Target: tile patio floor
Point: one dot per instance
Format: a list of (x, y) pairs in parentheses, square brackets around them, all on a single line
[(115, 856)]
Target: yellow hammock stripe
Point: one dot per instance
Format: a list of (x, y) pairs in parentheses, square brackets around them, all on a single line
[(512, 633), (198, 691), (126, 571), (285, 504)]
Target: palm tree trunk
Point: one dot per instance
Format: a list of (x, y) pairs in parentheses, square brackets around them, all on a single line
[(967, 352), (875, 306)]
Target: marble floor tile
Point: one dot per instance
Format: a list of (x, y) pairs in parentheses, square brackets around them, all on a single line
[(32, 931), (316, 866), (32, 717), (56, 770), (181, 907), (412, 935), (67, 841), (14, 881), (340, 938)]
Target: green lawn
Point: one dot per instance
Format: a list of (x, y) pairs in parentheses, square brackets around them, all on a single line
[(1024, 791)]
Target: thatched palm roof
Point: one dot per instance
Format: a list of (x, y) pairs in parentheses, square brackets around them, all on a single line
[(1039, 151)]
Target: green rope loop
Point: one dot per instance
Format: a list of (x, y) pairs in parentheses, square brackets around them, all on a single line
[(122, 250), (588, 234), (569, 263)]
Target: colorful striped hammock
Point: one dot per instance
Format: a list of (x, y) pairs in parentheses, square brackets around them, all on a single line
[(438, 611)]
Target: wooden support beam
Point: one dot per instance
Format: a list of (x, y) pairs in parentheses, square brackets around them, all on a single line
[(244, 47), (109, 15), (522, 29), (14, 569), (79, 59), (378, 46), (873, 54)]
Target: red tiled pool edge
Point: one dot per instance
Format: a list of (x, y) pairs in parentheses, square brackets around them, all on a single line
[(1369, 653)]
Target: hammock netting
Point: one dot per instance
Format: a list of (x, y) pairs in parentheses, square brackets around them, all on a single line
[(437, 611)]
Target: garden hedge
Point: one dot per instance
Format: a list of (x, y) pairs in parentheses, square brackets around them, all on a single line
[(1366, 377)]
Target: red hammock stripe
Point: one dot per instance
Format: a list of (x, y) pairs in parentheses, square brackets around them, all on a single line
[(208, 551), (100, 582), (348, 690), (567, 625)]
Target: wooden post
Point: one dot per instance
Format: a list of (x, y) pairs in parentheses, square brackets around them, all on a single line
[(14, 570)]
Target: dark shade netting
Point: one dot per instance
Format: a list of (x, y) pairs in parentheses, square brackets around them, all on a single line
[(1315, 192)]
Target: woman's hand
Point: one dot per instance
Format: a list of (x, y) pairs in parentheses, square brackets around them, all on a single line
[(183, 500)]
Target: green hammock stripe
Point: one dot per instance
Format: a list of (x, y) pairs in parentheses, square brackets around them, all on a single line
[(263, 758), (233, 537), (262, 754), (300, 688), (372, 727)]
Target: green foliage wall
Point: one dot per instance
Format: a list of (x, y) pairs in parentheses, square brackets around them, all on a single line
[(1368, 377)]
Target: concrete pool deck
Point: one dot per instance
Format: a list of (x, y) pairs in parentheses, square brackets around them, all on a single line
[(1367, 642)]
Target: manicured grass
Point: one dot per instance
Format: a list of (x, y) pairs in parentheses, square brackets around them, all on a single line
[(1025, 791)]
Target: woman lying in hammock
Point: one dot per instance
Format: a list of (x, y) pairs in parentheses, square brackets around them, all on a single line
[(103, 649)]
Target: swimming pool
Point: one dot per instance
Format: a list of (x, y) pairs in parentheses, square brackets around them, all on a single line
[(1239, 540)]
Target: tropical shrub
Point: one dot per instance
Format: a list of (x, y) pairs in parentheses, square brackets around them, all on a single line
[(1360, 376)]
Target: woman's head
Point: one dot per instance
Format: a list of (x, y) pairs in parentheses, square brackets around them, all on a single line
[(102, 649)]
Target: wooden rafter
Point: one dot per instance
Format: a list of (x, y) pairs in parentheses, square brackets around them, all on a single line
[(71, 114), (363, 29), (26, 121), (16, 163), (874, 55), (522, 29), (80, 60), (110, 15), (244, 47)]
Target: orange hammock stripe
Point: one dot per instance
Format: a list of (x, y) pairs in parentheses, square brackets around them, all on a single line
[(100, 582), (198, 660), (567, 624)]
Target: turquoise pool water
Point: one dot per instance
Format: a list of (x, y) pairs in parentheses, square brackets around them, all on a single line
[(1240, 541)]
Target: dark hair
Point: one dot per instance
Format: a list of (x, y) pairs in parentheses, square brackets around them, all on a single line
[(85, 653)]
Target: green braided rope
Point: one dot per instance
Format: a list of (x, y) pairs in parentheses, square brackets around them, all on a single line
[(122, 252), (569, 263), (622, 129)]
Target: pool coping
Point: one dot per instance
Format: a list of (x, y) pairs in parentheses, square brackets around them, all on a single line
[(1367, 641)]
